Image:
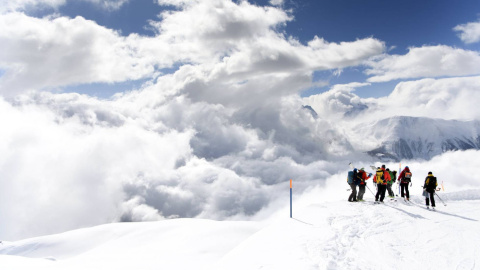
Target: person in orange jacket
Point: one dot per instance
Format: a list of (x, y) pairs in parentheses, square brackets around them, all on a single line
[(362, 175), (381, 178), (405, 179)]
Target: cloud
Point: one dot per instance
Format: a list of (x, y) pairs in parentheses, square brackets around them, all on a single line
[(227, 41), (338, 102), (19, 5), (25, 5), (63, 158), (276, 2), (150, 155), (109, 4), (53, 52), (206, 29), (427, 61), (449, 98), (446, 98), (469, 33)]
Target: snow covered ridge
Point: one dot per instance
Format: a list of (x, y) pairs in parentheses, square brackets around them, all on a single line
[(330, 234), (403, 137)]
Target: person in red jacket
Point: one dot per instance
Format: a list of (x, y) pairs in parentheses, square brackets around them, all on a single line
[(362, 175), (405, 179), (381, 178)]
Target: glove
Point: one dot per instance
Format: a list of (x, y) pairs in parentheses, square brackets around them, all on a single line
[(370, 174)]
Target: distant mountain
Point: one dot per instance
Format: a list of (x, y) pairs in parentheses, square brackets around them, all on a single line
[(404, 137)]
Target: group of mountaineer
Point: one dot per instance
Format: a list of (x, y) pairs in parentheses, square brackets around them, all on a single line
[(383, 179)]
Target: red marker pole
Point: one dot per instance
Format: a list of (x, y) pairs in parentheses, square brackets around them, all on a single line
[(290, 198)]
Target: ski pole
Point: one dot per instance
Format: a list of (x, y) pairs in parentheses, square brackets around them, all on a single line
[(441, 199), (370, 190)]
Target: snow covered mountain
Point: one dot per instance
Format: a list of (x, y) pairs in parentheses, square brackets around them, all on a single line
[(405, 137)]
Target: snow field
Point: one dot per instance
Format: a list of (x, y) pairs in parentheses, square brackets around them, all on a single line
[(324, 235), (326, 232)]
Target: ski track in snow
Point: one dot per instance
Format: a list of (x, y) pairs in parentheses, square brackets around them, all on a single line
[(396, 231)]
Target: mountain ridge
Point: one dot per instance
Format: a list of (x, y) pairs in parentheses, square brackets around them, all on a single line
[(406, 137)]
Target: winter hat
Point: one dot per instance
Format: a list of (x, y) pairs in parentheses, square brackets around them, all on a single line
[(362, 169), (429, 172)]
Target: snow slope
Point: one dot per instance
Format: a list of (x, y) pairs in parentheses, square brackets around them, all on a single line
[(326, 233)]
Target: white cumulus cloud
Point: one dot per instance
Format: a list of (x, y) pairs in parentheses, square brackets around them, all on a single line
[(469, 32), (427, 61), (51, 52)]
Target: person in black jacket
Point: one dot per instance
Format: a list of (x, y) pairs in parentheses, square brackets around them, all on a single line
[(353, 186), (429, 187)]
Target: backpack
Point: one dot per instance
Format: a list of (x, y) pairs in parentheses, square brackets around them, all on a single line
[(380, 177), (432, 182), (350, 177), (357, 179), (407, 177), (392, 177)]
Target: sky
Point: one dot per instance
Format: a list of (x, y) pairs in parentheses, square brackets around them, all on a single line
[(123, 110)]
